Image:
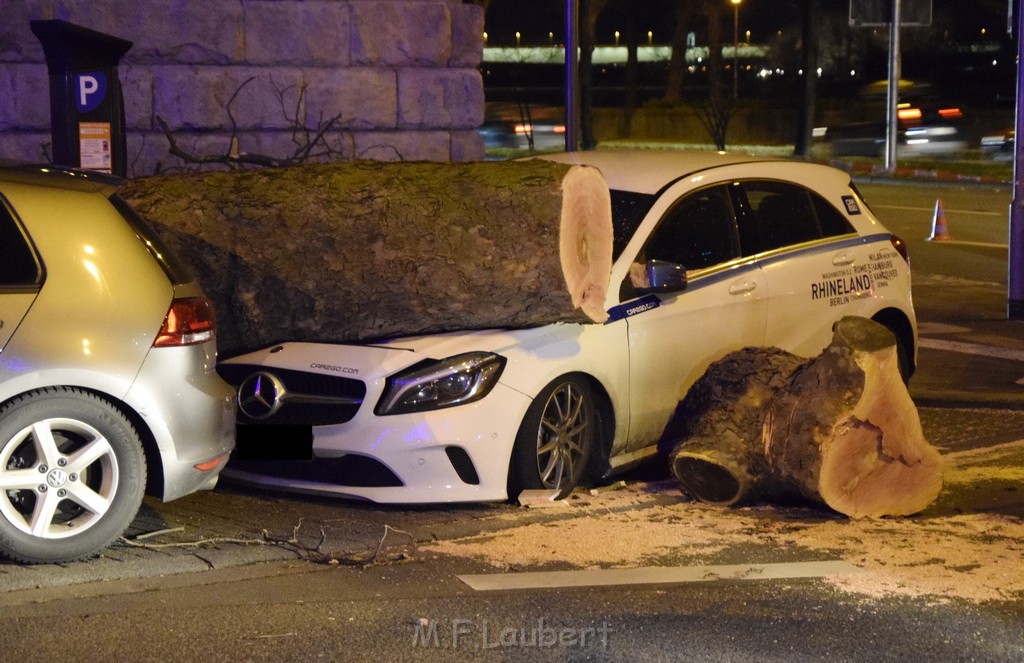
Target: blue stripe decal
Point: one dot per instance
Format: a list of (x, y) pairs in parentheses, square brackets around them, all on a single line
[(634, 307), (786, 253)]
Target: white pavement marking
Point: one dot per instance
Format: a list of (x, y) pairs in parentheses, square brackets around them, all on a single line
[(995, 450), (985, 245), (972, 349), (930, 328), (656, 575), (944, 209)]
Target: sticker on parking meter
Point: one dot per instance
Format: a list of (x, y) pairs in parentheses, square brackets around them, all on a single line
[(851, 205), (90, 90), (94, 146)]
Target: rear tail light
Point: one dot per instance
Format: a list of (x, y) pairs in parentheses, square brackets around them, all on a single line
[(901, 248), (189, 321), (907, 114)]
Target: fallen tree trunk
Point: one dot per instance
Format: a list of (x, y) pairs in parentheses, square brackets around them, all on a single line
[(839, 429), (370, 250)]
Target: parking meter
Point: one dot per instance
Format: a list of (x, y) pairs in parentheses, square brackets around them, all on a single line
[(86, 105)]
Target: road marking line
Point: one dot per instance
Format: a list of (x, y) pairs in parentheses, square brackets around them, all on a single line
[(984, 245), (972, 349), (1006, 448), (656, 575), (931, 328), (946, 210)]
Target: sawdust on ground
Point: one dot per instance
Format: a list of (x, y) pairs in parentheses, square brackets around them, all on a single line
[(949, 555)]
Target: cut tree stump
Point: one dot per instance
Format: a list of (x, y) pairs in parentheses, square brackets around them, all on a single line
[(839, 429), (362, 251)]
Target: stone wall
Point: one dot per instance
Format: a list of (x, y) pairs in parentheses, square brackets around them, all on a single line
[(393, 79)]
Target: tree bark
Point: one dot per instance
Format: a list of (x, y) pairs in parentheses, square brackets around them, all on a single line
[(370, 250), (839, 429)]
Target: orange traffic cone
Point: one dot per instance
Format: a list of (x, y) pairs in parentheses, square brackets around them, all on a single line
[(940, 232)]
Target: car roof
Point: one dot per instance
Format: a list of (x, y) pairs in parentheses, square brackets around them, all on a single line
[(650, 171), (58, 177)]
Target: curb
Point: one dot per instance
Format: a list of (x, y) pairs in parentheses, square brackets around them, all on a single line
[(875, 170)]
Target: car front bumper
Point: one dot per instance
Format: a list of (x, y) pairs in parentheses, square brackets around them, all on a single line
[(457, 454)]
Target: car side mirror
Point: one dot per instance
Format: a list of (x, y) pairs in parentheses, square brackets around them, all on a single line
[(664, 277)]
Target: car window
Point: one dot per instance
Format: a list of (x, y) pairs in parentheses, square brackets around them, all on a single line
[(18, 266), (779, 214), (628, 211), (833, 222), (696, 232), (177, 271)]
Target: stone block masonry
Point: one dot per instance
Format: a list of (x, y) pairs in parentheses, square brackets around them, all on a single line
[(392, 79)]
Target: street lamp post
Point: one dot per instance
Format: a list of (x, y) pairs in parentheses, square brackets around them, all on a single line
[(735, 46)]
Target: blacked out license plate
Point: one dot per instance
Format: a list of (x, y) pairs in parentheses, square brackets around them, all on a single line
[(273, 442)]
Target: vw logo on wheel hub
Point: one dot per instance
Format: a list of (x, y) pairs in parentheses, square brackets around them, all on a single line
[(260, 395), (57, 478)]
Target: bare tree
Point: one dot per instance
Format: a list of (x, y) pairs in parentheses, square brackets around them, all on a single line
[(809, 90), (630, 92), (311, 144), (590, 10), (717, 109), (685, 10)]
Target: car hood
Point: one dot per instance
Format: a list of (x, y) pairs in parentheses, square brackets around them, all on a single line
[(377, 361)]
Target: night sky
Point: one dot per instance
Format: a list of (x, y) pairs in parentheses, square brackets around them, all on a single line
[(535, 19)]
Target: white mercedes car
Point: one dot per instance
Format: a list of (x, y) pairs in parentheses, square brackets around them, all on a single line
[(713, 252)]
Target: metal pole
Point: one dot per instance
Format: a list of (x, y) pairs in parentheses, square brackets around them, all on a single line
[(1015, 259), (572, 75), (893, 92), (735, 47)]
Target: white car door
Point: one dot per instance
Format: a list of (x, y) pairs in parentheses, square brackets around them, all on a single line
[(673, 337), (815, 264)]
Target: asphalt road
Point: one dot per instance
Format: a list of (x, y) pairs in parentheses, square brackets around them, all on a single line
[(238, 574)]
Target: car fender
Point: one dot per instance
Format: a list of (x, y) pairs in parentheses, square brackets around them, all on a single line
[(98, 381)]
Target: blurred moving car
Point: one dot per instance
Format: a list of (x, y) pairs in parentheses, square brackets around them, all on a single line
[(926, 125), (713, 252), (999, 146), (522, 127), (107, 378)]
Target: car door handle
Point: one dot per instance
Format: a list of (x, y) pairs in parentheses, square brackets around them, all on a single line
[(742, 288), (843, 259)]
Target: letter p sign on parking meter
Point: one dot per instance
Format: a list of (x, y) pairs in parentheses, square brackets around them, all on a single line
[(86, 100), (91, 89)]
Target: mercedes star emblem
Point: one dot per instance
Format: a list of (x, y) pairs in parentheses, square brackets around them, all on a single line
[(260, 395)]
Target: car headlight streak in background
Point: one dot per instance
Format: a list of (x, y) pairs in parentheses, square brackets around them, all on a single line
[(437, 384)]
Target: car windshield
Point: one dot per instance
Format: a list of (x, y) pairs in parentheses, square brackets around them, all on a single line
[(628, 210)]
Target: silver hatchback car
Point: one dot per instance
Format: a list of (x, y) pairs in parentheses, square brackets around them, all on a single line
[(107, 381)]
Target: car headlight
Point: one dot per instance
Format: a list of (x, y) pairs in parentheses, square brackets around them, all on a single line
[(436, 384)]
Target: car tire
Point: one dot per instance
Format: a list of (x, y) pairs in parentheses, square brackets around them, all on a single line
[(903, 360), (556, 439), (72, 475)]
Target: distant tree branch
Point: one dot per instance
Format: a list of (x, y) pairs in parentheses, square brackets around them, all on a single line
[(310, 144)]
